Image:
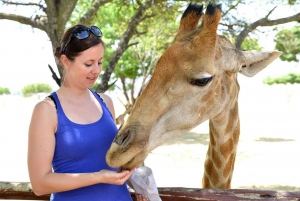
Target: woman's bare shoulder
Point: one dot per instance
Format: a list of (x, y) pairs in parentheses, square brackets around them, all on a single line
[(45, 110), (44, 117), (105, 97), (109, 103), (45, 105)]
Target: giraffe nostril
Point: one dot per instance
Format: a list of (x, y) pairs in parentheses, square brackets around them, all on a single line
[(120, 139), (124, 139)]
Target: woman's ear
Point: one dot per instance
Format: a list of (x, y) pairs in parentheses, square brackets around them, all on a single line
[(65, 61)]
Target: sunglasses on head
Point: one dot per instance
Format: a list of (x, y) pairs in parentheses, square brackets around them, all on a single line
[(82, 33)]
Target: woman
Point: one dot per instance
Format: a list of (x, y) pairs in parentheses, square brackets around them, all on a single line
[(71, 131)]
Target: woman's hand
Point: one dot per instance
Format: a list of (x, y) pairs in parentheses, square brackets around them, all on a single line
[(117, 178), (140, 198)]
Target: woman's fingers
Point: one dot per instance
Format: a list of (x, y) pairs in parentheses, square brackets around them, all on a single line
[(125, 174), (113, 177), (141, 198)]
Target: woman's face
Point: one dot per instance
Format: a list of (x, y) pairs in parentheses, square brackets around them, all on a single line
[(84, 70)]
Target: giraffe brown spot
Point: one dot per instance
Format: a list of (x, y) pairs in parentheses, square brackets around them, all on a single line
[(216, 159), (228, 183), (229, 166), (205, 182), (208, 166), (218, 53), (229, 125), (211, 171), (202, 110), (236, 133), (214, 176), (232, 118), (211, 136), (221, 119), (207, 96), (226, 148), (223, 88)]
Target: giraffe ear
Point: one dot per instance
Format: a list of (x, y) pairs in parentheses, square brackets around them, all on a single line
[(255, 61)]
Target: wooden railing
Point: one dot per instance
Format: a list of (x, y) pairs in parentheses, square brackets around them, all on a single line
[(23, 191)]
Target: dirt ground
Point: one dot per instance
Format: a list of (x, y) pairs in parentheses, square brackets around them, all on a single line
[(268, 151)]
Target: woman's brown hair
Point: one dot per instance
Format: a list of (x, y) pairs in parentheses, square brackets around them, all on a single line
[(75, 46)]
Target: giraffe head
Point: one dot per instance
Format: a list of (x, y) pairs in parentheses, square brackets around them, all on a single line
[(193, 81)]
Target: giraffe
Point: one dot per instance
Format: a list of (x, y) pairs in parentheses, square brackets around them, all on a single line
[(194, 80)]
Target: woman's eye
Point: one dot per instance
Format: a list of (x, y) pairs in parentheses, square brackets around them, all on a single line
[(88, 65), (100, 63), (201, 82)]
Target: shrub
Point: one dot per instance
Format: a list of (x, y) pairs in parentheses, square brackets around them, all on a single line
[(36, 88), (291, 78), (4, 90)]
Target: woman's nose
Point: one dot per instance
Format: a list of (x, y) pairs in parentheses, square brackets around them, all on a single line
[(97, 68)]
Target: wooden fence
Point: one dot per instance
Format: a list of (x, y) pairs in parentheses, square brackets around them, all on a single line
[(23, 191)]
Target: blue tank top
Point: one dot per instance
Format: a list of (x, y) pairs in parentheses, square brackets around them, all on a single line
[(81, 148)]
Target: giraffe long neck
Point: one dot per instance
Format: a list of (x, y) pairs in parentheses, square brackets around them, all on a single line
[(224, 135)]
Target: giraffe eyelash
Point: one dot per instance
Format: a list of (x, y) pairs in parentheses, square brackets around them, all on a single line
[(201, 82)]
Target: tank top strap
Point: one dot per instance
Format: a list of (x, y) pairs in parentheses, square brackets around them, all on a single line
[(102, 103), (55, 99)]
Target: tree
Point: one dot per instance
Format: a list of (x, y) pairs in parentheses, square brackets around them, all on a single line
[(53, 17), (288, 41), (149, 41), (133, 30), (292, 78), (36, 88), (4, 90), (245, 28)]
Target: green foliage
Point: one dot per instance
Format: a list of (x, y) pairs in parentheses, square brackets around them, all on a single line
[(291, 78), (152, 36), (4, 90), (251, 44), (248, 44), (292, 2), (288, 42), (36, 88), (149, 41), (113, 20)]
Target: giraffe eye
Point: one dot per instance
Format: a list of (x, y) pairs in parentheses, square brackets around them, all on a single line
[(201, 82)]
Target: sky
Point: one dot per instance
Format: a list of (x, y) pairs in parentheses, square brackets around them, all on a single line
[(26, 52), (24, 56)]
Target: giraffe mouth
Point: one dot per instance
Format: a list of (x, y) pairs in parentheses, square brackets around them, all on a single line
[(126, 157), (124, 168)]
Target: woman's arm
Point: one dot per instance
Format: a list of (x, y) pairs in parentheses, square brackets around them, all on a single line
[(41, 145)]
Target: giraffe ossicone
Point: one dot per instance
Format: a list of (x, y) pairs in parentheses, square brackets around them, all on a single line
[(194, 80)]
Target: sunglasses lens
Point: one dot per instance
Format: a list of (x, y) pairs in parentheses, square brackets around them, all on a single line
[(81, 33), (96, 31)]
